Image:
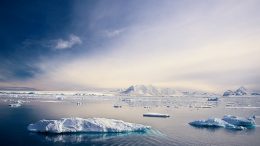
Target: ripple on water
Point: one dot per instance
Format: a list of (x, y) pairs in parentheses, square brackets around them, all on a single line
[(151, 137)]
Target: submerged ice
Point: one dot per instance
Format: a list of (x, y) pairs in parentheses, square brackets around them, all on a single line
[(97, 125), (228, 121)]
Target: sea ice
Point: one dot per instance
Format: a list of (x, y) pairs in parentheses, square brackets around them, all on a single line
[(96, 125), (240, 121), (228, 121), (15, 105), (213, 99), (155, 115)]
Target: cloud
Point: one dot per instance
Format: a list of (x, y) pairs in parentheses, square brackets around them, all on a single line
[(66, 44), (113, 33), (211, 46)]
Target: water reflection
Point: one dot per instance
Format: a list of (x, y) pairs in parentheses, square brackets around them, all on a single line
[(90, 137), (233, 131)]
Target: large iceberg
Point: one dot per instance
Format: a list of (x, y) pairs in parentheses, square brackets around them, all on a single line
[(228, 121), (92, 125)]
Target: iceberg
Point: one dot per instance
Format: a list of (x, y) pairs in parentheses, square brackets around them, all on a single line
[(156, 115), (213, 99), (242, 91), (228, 122), (240, 121), (90, 125)]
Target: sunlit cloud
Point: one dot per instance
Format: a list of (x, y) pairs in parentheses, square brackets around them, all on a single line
[(66, 44), (202, 45), (113, 33)]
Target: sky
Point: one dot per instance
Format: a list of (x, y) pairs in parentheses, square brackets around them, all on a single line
[(81, 44)]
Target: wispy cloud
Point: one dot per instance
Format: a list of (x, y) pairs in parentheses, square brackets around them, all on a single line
[(69, 43), (113, 33)]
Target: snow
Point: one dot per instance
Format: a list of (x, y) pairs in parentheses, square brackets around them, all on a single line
[(141, 90), (228, 93), (155, 115), (228, 121), (97, 125), (240, 92), (149, 90)]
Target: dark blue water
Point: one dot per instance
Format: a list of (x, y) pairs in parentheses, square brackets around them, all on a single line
[(165, 131)]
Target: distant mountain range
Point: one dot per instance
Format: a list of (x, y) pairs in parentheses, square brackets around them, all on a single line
[(149, 90), (240, 92), (18, 89)]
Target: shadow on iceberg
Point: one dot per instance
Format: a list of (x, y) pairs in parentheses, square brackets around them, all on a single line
[(228, 122), (90, 125)]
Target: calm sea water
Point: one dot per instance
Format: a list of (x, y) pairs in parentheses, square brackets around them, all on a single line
[(165, 131)]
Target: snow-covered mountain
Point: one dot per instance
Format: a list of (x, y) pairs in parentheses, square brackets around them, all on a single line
[(149, 90), (239, 92), (142, 90)]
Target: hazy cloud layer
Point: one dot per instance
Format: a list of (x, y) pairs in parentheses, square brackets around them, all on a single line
[(208, 45)]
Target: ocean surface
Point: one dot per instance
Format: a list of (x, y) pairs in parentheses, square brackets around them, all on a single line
[(174, 130)]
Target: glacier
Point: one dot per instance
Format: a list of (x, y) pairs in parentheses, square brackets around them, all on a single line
[(228, 122), (90, 125)]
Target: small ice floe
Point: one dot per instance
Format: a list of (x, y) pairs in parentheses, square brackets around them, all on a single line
[(90, 125), (156, 115), (244, 107), (49, 101), (79, 103), (117, 106), (228, 122), (213, 99), (204, 106), (15, 104), (227, 105), (60, 98)]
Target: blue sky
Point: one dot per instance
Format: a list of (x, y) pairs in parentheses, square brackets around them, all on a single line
[(66, 45)]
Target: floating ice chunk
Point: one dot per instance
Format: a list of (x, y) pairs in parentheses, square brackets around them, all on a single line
[(240, 121), (214, 123), (79, 103), (228, 121), (97, 125), (243, 107), (155, 115), (213, 99), (60, 98), (117, 106), (15, 105)]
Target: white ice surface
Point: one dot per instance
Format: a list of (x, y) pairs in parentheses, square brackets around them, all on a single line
[(100, 125)]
